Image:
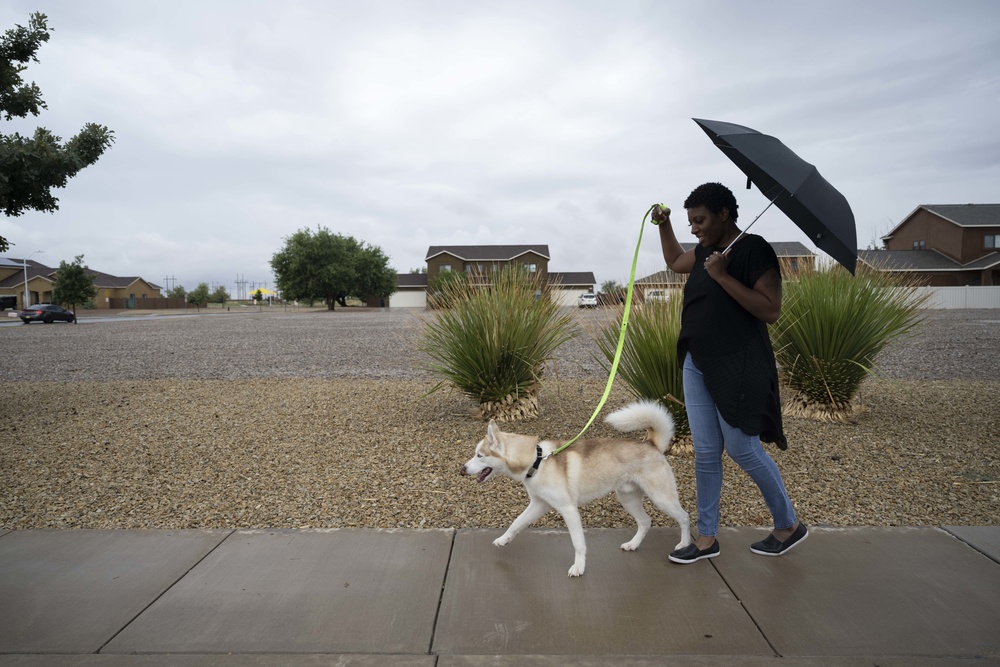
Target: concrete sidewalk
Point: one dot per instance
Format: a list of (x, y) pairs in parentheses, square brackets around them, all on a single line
[(849, 596)]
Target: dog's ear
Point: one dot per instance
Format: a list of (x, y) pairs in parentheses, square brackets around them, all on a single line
[(493, 436)]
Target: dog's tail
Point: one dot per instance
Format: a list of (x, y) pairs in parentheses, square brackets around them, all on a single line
[(647, 415)]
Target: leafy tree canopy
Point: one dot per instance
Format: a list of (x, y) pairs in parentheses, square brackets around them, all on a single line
[(220, 295), (74, 284), (332, 267), (199, 294), (611, 286), (31, 166), (177, 292)]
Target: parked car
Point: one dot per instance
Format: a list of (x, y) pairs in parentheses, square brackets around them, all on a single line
[(47, 313), (588, 300), (8, 302)]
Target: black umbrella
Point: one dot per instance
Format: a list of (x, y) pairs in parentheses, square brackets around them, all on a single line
[(793, 185)]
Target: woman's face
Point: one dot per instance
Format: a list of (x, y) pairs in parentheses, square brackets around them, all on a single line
[(708, 227)]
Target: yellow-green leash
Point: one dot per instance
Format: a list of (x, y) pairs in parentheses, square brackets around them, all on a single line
[(621, 339)]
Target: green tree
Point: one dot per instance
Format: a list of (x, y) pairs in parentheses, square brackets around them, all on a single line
[(74, 284), (257, 296), (610, 286), (220, 295), (31, 166), (331, 267), (177, 292), (199, 294)]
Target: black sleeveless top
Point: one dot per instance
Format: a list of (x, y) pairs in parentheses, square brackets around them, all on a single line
[(730, 346)]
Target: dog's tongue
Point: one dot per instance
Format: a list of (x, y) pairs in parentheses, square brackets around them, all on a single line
[(484, 474)]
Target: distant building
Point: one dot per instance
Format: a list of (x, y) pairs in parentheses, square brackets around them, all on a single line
[(479, 261), (943, 245), (112, 290)]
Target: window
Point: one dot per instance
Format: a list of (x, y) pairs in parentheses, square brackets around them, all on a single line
[(532, 268), (919, 245), (991, 241), (444, 267)]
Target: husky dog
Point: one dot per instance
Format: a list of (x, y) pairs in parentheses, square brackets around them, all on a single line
[(585, 471)]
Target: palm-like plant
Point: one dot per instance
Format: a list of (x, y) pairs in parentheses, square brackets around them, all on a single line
[(831, 329), (492, 337), (648, 364)]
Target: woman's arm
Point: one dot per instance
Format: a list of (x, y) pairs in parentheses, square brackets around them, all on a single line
[(677, 260), (763, 301)]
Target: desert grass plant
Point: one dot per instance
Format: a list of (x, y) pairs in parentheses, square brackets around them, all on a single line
[(491, 337), (831, 329), (648, 364)]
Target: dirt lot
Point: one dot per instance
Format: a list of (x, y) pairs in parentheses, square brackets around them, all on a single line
[(324, 419)]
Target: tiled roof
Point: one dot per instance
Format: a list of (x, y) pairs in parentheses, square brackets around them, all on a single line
[(968, 215), (573, 278), (38, 270), (35, 270), (781, 248), (922, 261), (411, 279), (963, 215), (487, 253)]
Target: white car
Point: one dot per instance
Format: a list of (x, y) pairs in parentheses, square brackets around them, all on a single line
[(588, 300)]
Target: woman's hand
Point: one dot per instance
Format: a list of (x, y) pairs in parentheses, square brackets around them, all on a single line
[(716, 265), (661, 214)]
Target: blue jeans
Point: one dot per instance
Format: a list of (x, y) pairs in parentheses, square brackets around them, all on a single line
[(711, 434)]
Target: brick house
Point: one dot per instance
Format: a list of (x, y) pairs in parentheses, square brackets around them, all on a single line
[(412, 287), (947, 245)]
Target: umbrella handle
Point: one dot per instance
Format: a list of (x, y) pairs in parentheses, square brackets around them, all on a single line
[(726, 251)]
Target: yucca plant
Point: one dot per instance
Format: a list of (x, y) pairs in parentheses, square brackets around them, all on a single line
[(831, 329), (648, 363), (492, 337)]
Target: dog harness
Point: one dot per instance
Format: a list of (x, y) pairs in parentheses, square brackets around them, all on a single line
[(538, 461)]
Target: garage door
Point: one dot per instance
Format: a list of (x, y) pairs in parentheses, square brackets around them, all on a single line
[(408, 299)]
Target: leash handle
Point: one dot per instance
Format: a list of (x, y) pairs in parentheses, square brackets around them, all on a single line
[(621, 339)]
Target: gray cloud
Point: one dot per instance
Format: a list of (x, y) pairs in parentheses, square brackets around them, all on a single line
[(411, 124)]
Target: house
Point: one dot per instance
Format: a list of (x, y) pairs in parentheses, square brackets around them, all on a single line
[(16, 275), (478, 261), (943, 245), (792, 256)]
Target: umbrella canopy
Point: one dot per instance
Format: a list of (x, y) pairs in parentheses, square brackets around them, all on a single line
[(793, 185)]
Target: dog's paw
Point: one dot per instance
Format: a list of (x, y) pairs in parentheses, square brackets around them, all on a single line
[(576, 571), (630, 546), (502, 541)]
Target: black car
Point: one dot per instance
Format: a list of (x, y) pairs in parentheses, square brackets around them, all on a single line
[(46, 312)]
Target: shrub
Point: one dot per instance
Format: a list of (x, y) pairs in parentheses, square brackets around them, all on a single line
[(648, 364), (831, 329), (491, 338)]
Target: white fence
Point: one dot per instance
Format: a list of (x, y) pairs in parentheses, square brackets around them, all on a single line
[(961, 297)]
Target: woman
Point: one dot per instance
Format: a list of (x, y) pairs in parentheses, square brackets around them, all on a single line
[(730, 377)]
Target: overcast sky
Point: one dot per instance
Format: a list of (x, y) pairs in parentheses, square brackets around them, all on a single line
[(410, 124)]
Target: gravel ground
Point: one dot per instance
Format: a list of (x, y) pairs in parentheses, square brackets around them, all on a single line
[(289, 419)]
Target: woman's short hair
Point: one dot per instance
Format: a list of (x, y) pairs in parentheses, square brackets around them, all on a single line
[(714, 197)]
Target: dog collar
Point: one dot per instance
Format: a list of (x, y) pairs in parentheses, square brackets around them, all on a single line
[(538, 461)]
